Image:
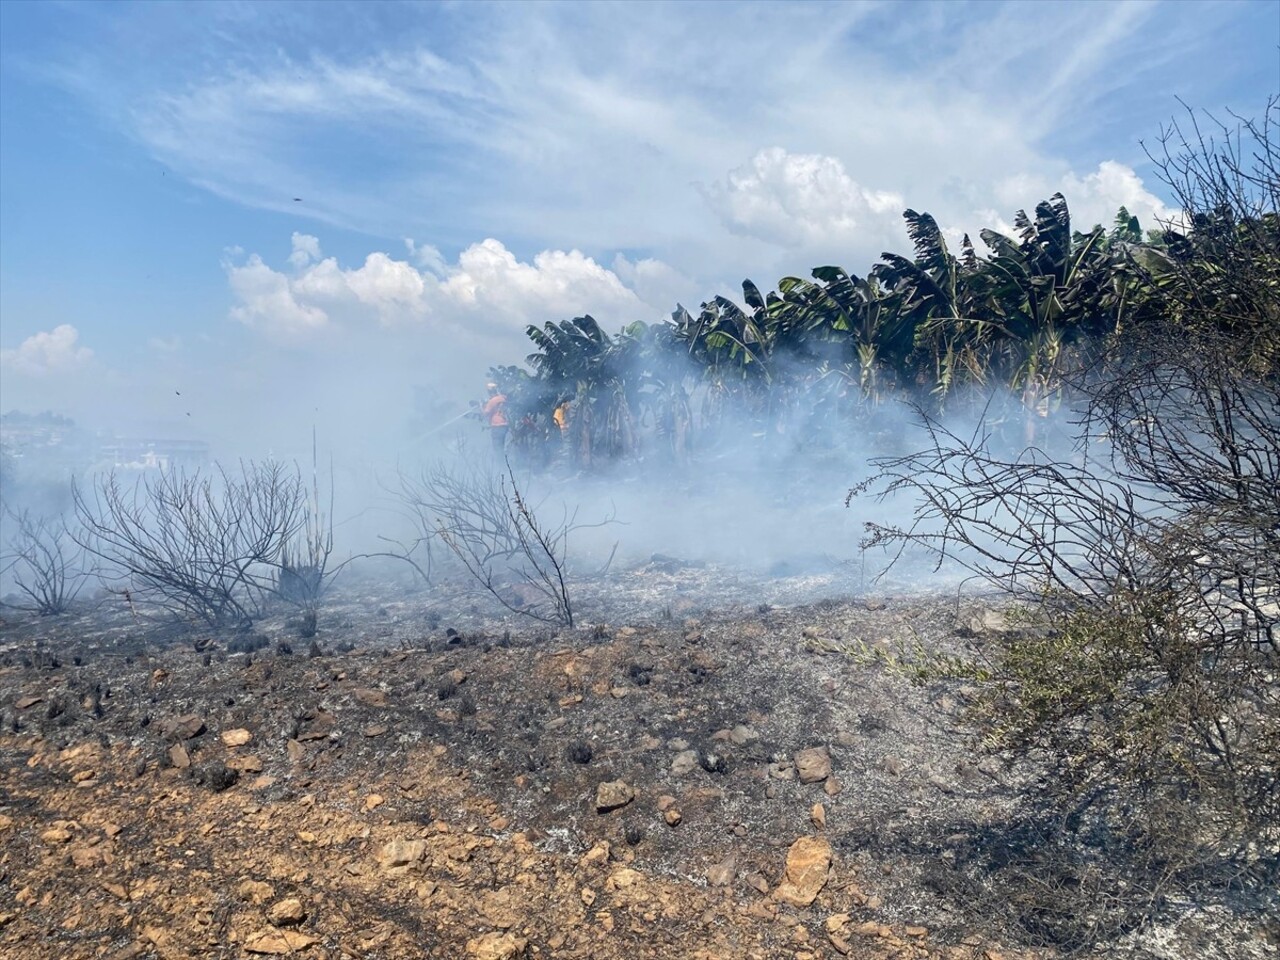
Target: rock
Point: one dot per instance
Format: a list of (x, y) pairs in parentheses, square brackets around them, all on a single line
[(255, 891), (892, 766), (666, 802), (672, 817), (782, 771), (295, 750), (832, 787), (496, 946), (400, 855), (56, 835), (85, 857), (942, 784), (370, 697), (287, 913), (986, 622), (186, 727), (742, 734), (613, 794), (808, 866), (459, 677), (236, 738), (990, 767), (813, 764), (373, 801), (179, 757), (278, 942), (375, 730), (722, 874), (24, 702), (685, 762), (818, 815)]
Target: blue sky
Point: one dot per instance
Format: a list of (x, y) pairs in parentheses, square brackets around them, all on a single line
[(467, 168)]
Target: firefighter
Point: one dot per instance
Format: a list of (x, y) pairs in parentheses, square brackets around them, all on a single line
[(494, 411)]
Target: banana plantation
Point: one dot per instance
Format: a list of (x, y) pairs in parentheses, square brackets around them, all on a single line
[(816, 360)]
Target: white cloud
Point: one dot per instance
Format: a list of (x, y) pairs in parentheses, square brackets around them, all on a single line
[(306, 249), (557, 284), (55, 351), (1092, 198), (800, 200), (488, 289), (266, 300)]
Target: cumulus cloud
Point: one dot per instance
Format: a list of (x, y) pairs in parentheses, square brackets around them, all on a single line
[(488, 289), (55, 351), (266, 300), (799, 200), (306, 249), (1092, 198)]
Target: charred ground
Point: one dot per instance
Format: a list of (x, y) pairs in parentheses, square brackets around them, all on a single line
[(426, 779)]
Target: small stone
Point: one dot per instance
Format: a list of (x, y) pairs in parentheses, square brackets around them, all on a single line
[(613, 794), (832, 787), (237, 737), (813, 764), (400, 855), (892, 766), (914, 931), (666, 802), (24, 702), (758, 883), (459, 677), (295, 750), (818, 815), (370, 697), (942, 785), (496, 946), (85, 857), (179, 757), (685, 762), (808, 866), (373, 801), (255, 891), (722, 874), (672, 817), (782, 771), (375, 730), (287, 913), (56, 835), (278, 942), (742, 734), (186, 727)]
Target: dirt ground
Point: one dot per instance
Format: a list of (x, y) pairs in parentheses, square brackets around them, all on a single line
[(679, 777)]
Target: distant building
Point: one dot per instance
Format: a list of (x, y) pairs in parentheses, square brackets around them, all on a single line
[(128, 453)]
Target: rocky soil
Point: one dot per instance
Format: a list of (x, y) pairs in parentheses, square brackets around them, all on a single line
[(693, 774)]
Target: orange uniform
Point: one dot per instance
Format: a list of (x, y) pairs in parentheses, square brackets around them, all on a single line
[(494, 409)]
